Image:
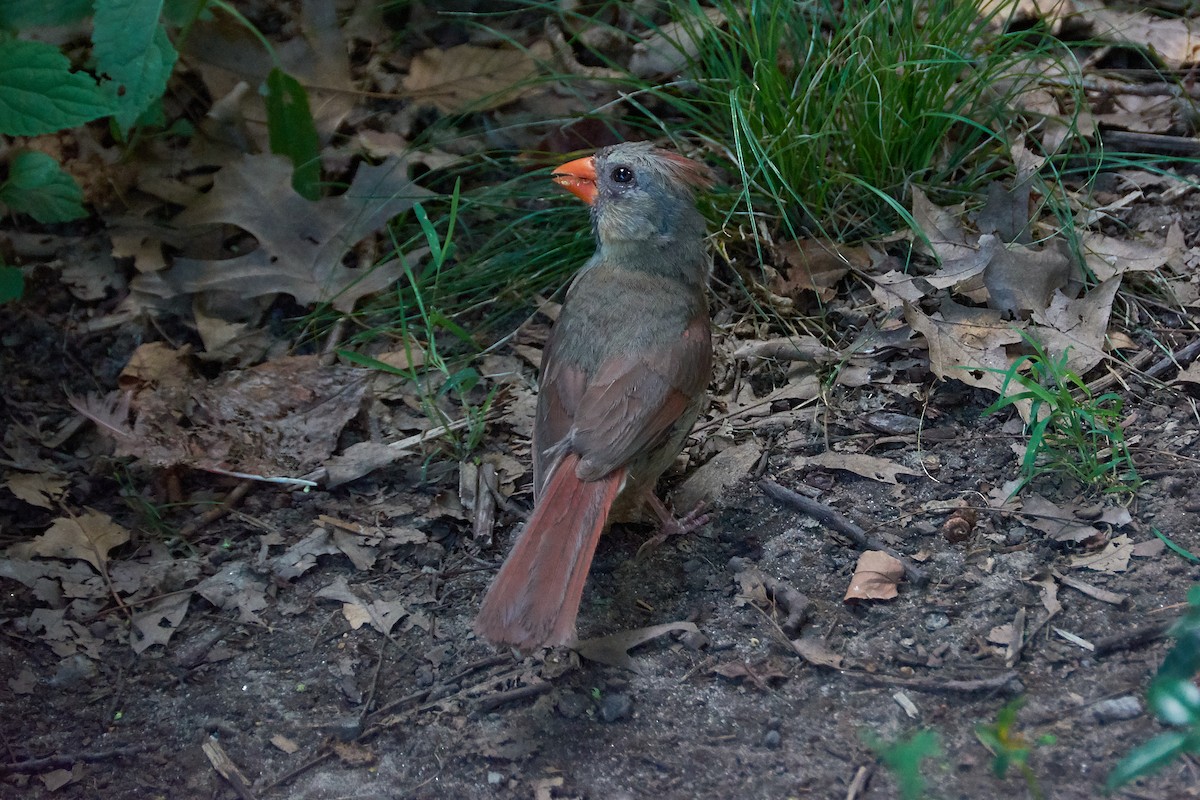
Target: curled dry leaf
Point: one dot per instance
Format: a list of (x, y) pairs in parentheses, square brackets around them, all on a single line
[(873, 467), (958, 526), (816, 652), (875, 577), (614, 649)]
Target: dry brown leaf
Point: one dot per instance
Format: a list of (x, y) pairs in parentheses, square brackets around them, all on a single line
[(156, 364), (40, 489), (965, 344), (816, 266), (1059, 524), (894, 288), (614, 649), (155, 623), (1113, 558), (468, 76), (1108, 257), (667, 50), (301, 243), (1174, 40), (944, 234), (1022, 278), (87, 537), (816, 652), (1077, 327), (281, 418), (717, 475), (873, 467), (875, 577)]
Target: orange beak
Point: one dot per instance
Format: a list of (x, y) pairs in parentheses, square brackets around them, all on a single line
[(579, 178)]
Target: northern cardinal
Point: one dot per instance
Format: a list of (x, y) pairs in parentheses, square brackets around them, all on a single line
[(622, 381)]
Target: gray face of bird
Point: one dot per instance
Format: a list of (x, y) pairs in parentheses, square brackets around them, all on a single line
[(646, 195)]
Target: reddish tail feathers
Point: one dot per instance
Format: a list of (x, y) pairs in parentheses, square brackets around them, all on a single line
[(535, 596)]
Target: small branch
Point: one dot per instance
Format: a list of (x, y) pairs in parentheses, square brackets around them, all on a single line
[(1135, 637), (975, 686), (232, 497), (494, 701), (70, 759), (828, 516)]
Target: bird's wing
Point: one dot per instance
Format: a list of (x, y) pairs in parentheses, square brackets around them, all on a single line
[(633, 400)]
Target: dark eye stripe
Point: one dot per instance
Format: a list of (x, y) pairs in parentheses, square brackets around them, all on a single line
[(622, 174)]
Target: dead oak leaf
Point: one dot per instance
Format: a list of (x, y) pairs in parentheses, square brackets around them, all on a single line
[(301, 243), (40, 489), (88, 537), (470, 77), (965, 344)]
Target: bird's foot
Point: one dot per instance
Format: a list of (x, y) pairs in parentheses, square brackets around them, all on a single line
[(669, 526)]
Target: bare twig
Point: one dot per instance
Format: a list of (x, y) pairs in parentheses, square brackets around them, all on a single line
[(828, 516), (216, 512), (1134, 637), (63, 760), (494, 701), (974, 686)]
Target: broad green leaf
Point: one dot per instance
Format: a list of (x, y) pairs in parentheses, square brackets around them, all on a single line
[(39, 93), (184, 12), (12, 283), (21, 15), (1176, 702), (1145, 759), (37, 186), (292, 132), (132, 49)]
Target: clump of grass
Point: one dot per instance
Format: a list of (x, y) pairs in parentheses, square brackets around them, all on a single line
[(833, 110), (904, 758), (1071, 430), (1175, 699), (1010, 748)]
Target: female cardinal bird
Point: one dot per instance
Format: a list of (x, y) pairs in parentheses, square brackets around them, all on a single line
[(623, 379)]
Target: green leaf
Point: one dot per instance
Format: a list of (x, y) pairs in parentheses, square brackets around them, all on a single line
[(21, 15), (132, 49), (39, 93), (1176, 547), (1151, 756), (1176, 702), (37, 186), (292, 132), (12, 283), (184, 12)]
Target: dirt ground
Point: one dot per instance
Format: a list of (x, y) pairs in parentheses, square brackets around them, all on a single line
[(273, 679), (305, 706)]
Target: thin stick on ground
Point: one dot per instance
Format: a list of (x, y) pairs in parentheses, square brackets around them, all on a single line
[(828, 516)]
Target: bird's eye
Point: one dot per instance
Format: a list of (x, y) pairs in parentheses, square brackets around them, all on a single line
[(622, 175)]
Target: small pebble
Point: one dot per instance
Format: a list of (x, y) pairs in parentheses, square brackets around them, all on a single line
[(1117, 709), (1016, 535), (74, 672), (573, 705), (771, 740), (495, 778), (429, 554), (615, 706), (424, 676), (936, 621)]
